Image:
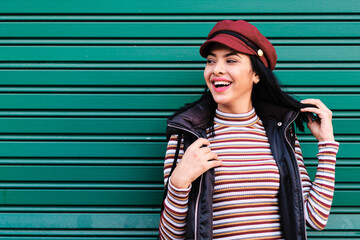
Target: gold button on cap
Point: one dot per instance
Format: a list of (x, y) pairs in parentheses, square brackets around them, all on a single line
[(260, 53)]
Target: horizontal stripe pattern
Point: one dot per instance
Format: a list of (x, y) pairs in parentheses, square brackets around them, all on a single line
[(249, 174), (319, 194), (173, 218), (245, 200)]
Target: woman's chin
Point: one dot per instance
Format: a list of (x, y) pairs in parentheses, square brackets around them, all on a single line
[(221, 100)]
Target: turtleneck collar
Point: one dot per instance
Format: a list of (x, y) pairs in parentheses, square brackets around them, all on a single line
[(238, 119)]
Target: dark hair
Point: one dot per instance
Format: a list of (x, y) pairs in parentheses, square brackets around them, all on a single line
[(268, 89)]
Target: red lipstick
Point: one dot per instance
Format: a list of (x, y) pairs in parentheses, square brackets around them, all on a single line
[(220, 84)]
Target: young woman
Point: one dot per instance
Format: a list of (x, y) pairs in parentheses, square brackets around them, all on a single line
[(234, 167)]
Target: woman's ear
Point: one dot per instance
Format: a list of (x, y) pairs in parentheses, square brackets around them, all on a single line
[(256, 78)]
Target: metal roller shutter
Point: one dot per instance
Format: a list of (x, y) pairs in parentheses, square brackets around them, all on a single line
[(86, 86)]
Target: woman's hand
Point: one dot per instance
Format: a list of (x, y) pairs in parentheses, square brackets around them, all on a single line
[(322, 129), (194, 162)]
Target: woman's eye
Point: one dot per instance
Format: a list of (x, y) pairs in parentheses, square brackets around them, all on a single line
[(231, 61), (209, 61)]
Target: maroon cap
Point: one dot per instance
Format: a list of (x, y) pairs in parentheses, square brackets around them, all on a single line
[(242, 37)]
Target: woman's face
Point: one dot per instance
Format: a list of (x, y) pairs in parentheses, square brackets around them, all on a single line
[(230, 78)]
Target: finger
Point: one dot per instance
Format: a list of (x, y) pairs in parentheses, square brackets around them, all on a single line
[(317, 111), (321, 113), (209, 156), (311, 109), (316, 102), (212, 164), (203, 150), (199, 143)]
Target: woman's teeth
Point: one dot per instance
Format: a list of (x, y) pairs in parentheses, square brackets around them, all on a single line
[(221, 84)]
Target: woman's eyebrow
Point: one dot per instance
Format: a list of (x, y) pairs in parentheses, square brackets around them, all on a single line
[(231, 54), (226, 55)]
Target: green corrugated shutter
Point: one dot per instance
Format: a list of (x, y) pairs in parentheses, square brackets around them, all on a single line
[(86, 86)]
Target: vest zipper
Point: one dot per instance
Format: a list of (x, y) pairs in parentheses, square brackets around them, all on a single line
[(297, 167), (196, 208), (201, 178)]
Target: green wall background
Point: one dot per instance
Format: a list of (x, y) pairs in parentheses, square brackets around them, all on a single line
[(86, 86)]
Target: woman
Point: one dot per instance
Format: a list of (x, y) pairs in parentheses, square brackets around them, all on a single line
[(234, 167)]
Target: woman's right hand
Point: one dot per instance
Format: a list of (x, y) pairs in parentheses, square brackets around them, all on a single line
[(196, 160)]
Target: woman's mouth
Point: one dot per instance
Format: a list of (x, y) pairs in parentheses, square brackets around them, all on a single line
[(221, 86)]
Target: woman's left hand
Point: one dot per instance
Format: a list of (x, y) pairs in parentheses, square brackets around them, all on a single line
[(322, 129)]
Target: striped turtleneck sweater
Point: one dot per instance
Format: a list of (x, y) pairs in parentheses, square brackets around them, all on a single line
[(245, 203)]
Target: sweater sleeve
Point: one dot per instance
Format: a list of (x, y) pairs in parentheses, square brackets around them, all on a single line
[(173, 218), (318, 195)]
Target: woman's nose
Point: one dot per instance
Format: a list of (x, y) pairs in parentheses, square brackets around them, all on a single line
[(219, 68)]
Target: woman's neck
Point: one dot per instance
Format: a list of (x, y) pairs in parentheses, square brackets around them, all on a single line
[(235, 108)]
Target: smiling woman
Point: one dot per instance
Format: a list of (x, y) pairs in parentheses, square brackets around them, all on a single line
[(233, 166)]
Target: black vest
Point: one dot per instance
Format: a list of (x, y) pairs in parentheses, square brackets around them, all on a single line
[(278, 123)]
